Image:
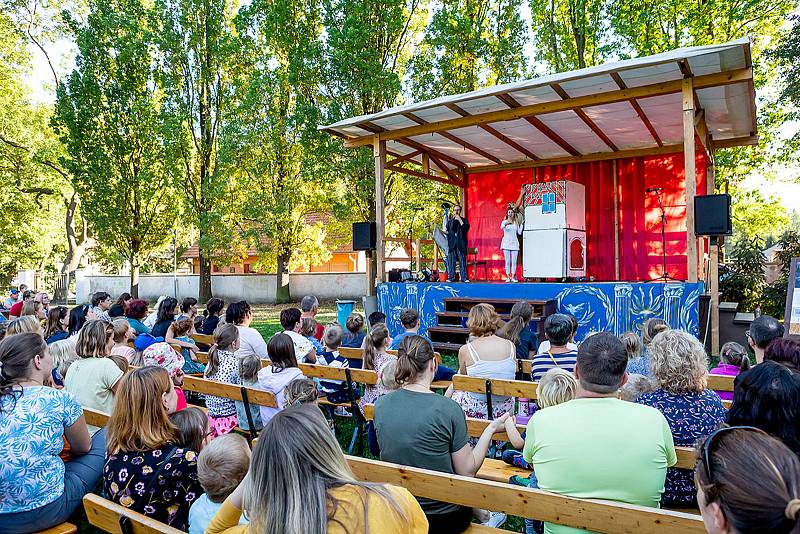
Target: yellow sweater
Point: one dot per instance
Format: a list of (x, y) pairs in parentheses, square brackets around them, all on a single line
[(349, 517)]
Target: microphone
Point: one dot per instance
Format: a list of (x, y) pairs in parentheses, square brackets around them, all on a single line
[(653, 189)]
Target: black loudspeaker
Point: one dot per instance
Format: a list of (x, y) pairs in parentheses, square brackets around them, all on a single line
[(712, 215), (364, 236)]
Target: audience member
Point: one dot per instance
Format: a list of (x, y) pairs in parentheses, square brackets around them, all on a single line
[(376, 358), (308, 327), (57, 325), (26, 323), (118, 308), (38, 489), (123, 337), (64, 355), (16, 308), (223, 366), (376, 317), (435, 438), (518, 331), (281, 370), (249, 366), (635, 386), (211, 314), (325, 495), (93, 378), (44, 298), (3, 327), (181, 329), (761, 332), (486, 356), (409, 319), (558, 329), (194, 432), (651, 328), (336, 391), (78, 317), (250, 340), (188, 309), (146, 471), (733, 359), (638, 361), (166, 316), (785, 351), (598, 446), (310, 307), (354, 335), (748, 483), (680, 367), (101, 303), (544, 346), (768, 397), (135, 311), (221, 466), (34, 309), (150, 320), (120, 361), (300, 391), (13, 296), (160, 354), (303, 349)]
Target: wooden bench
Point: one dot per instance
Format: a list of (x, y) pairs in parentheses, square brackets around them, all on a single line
[(203, 338), (95, 417), (588, 514), (63, 528), (111, 517), (358, 354)]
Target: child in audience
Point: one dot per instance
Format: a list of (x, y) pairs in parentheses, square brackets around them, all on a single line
[(281, 370), (334, 390), (223, 366), (63, 353), (221, 466), (162, 355), (376, 358), (354, 336), (635, 386), (123, 334), (300, 391), (308, 327), (544, 346), (638, 363), (733, 359), (181, 329), (249, 366), (559, 330), (194, 432), (120, 361)]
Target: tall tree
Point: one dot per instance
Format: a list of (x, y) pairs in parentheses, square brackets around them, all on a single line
[(568, 33), (108, 115), (196, 44)]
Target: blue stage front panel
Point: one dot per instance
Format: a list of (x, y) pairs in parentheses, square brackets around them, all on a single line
[(615, 307)]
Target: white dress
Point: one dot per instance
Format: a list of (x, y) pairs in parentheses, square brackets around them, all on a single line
[(510, 233)]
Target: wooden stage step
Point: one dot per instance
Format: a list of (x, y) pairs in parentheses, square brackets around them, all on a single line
[(440, 346)]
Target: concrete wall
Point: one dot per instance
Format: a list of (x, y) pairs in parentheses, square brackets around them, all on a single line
[(255, 288)]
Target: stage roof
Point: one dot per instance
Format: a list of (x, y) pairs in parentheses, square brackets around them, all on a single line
[(620, 109)]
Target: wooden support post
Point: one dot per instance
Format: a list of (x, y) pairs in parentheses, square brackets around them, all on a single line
[(690, 176), (379, 151), (616, 220), (713, 264)]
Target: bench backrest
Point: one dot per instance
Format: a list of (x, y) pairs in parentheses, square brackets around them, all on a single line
[(106, 515), (203, 338), (229, 391), (325, 372), (510, 388), (358, 353), (594, 515), (95, 417)]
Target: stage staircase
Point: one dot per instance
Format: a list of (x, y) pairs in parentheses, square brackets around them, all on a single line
[(450, 332)]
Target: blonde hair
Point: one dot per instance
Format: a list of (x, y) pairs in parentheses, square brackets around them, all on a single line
[(375, 340), (299, 391), (63, 353), (23, 324), (222, 465), (29, 307), (679, 362), (121, 327), (633, 345), (139, 421), (482, 320), (308, 326), (93, 338), (556, 387), (312, 464), (387, 375), (635, 386)]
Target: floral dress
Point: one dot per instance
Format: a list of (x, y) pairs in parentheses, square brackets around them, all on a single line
[(371, 393), (221, 411), (128, 475), (691, 417)]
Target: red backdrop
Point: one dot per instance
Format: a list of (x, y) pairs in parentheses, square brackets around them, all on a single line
[(639, 216)]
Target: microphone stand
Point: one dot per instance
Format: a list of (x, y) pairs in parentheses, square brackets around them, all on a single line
[(665, 277)]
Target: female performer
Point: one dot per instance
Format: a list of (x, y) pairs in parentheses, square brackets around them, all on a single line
[(510, 243)]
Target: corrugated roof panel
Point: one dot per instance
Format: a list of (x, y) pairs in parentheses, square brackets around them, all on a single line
[(452, 149), (590, 86), (531, 138), (666, 115), (574, 131), (620, 122)]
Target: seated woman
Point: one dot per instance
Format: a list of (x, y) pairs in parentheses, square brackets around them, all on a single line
[(118, 308), (354, 331), (768, 397), (57, 325), (486, 356), (38, 489), (250, 339), (747, 483), (436, 437), (680, 367), (167, 311), (316, 496), (135, 311), (78, 317), (211, 315), (145, 471)]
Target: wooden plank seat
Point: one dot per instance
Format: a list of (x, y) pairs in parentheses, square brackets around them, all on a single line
[(203, 338), (95, 417), (352, 353), (63, 528), (111, 517), (587, 514)]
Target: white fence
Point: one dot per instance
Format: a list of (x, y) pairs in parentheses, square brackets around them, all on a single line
[(255, 288)]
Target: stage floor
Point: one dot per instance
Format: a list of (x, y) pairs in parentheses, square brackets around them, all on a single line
[(614, 307)]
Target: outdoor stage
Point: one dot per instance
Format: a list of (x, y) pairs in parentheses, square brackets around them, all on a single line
[(615, 307)]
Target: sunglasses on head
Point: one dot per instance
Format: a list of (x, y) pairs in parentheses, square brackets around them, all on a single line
[(713, 438)]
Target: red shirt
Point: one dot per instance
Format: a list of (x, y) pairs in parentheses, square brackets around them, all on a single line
[(16, 309), (318, 332)]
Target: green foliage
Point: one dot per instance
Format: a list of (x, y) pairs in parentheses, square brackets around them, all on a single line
[(568, 33), (774, 300), (754, 215), (744, 282)]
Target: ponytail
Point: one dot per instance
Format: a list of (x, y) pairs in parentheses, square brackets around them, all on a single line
[(413, 355), (375, 339), (16, 353), (521, 314), (224, 336)]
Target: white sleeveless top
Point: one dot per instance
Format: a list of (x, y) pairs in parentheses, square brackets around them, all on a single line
[(504, 369)]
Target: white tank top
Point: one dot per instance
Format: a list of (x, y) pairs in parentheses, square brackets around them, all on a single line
[(504, 369)]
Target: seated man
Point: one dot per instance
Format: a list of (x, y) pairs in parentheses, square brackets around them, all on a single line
[(597, 446), (558, 329), (763, 330), (409, 318)]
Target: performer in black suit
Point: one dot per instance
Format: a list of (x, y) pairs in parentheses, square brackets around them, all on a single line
[(457, 228)]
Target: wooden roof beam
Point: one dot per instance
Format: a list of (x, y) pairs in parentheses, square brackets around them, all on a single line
[(455, 139), (407, 157), (509, 101), (639, 111), (485, 127), (372, 127), (673, 86), (429, 176), (585, 118)]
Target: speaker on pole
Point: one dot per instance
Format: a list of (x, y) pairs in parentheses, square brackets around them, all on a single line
[(712, 215), (364, 235)]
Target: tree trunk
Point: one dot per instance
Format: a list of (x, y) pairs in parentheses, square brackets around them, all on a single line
[(205, 278), (77, 245), (282, 294), (134, 261)]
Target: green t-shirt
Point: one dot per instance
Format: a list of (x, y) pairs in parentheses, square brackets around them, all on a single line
[(90, 381), (421, 430), (602, 448)]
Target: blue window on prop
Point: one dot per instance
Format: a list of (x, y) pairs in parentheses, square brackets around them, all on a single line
[(549, 203)]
